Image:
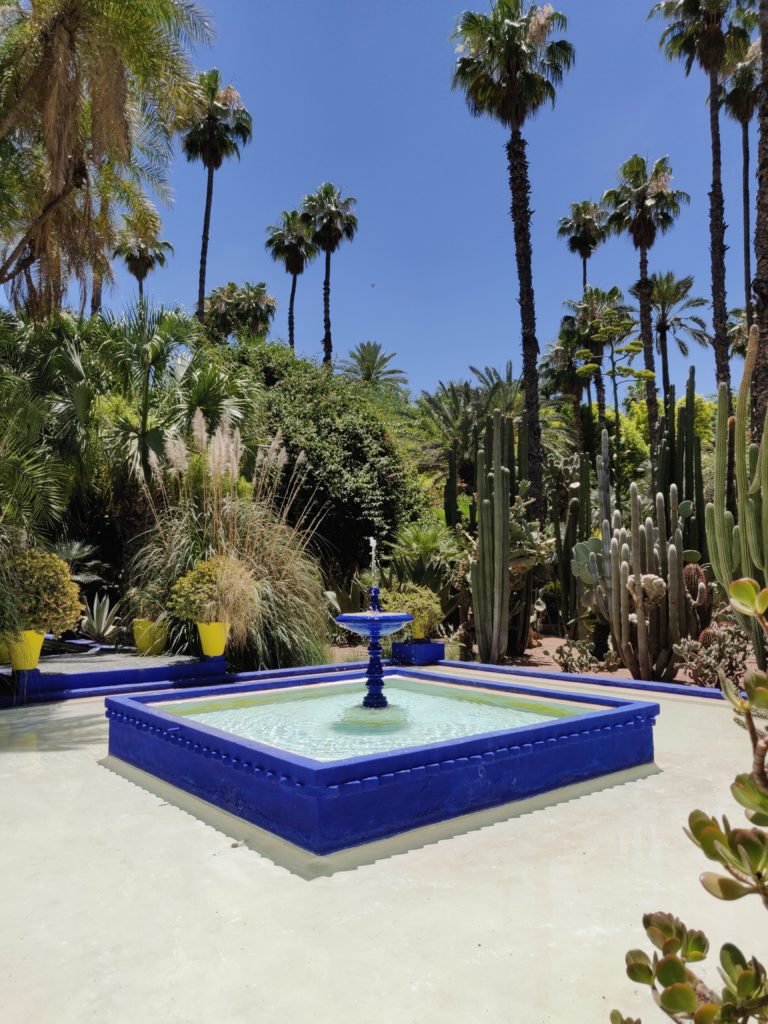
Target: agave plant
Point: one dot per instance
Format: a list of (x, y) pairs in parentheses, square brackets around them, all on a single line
[(101, 621)]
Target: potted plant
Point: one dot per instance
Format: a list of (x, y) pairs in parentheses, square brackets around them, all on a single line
[(45, 599), (214, 595), (420, 648), (150, 626)]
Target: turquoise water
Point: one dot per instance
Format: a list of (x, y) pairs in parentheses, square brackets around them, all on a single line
[(325, 724)]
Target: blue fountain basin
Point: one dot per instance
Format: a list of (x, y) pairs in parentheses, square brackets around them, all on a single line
[(374, 624)]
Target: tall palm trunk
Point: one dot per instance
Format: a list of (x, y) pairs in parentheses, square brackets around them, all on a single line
[(746, 215), (617, 475), (584, 276), (520, 187), (602, 422), (97, 293), (327, 341), (760, 373), (204, 247), (291, 321), (665, 381), (578, 428), (717, 246), (644, 293), (141, 288)]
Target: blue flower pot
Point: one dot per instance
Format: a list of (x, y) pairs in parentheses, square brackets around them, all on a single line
[(418, 652)]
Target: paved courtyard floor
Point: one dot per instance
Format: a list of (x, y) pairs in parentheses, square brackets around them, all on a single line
[(120, 907)]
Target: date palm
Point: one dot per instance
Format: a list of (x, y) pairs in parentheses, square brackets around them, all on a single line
[(75, 78), (369, 363), (673, 318), (217, 127), (142, 255), (509, 67), (643, 206), (331, 219), (288, 242), (739, 97), (702, 32), (584, 230)]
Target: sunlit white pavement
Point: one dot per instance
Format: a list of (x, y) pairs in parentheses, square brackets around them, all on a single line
[(118, 906)]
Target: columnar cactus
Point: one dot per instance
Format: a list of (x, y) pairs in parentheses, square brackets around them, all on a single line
[(638, 584), (740, 549), (575, 527), (489, 570), (680, 463)]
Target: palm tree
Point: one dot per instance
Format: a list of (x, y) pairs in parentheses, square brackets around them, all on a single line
[(760, 284), (585, 230), (141, 256), (702, 32), (289, 243), (509, 68), (219, 125), (369, 363), (672, 303), (588, 315), (330, 219), (242, 311), (86, 82), (644, 205), (739, 97)]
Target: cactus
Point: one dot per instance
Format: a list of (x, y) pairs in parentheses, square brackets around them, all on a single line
[(636, 580), (574, 528), (489, 570), (740, 550)]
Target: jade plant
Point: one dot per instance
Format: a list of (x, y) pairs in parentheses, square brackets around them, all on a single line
[(742, 857), (45, 598)]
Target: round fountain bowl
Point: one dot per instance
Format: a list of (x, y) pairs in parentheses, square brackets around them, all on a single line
[(374, 624)]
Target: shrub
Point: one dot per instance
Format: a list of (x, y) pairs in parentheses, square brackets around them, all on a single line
[(219, 590), (420, 602), (44, 595), (355, 471), (723, 646)]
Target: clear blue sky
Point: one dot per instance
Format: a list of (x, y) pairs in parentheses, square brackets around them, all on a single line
[(358, 93)]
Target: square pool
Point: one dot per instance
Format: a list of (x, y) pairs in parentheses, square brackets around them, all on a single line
[(296, 755)]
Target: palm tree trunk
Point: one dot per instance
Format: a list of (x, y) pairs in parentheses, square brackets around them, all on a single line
[(97, 292), (584, 278), (13, 264), (717, 237), (327, 341), (644, 292), (291, 320), (745, 198), (617, 476), (665, 382), (520, 187), (600, 396), (578, 428), (760, 287), (204, 247), (141, 289)]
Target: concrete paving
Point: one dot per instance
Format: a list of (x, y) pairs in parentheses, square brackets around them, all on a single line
[(119, 906)]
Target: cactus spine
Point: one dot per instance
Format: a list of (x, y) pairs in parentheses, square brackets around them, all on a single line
[(738, 550), (489, 570)]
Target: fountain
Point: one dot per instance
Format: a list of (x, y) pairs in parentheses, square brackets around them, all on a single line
[(374, 624)]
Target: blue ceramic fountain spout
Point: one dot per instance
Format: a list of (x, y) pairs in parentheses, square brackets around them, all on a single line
[(374, 624)]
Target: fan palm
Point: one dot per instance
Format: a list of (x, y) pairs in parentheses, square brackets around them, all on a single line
[(702, 32), (508, 69), (644, 205), (289, 243), (370, 364), (75, 77), (739, 97), (760, 284), (584, 229), (218, 126), (330, 218), (672, 305), (141, 256)]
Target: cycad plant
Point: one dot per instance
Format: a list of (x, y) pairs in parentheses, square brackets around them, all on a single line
[(509, 67), (330, 218), (289, 243), (217, 127), (643, 205)]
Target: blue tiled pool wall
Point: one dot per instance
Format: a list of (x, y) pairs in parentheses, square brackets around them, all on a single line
[(328, 807)]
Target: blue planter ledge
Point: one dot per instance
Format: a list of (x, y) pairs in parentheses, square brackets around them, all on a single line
[(324, 807), (418, 652)]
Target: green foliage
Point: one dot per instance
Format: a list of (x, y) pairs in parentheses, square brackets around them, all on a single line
[(45, 597), (578, 657), (101, 619), (720, 648), (213, 591), (239, 311), (353, 471), (420, 602)]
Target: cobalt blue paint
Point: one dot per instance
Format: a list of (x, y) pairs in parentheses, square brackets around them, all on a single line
[(329, 806), (418, 652)]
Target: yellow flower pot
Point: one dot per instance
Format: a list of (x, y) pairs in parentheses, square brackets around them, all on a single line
[(213, 638), (149, 636), (25, 652)]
